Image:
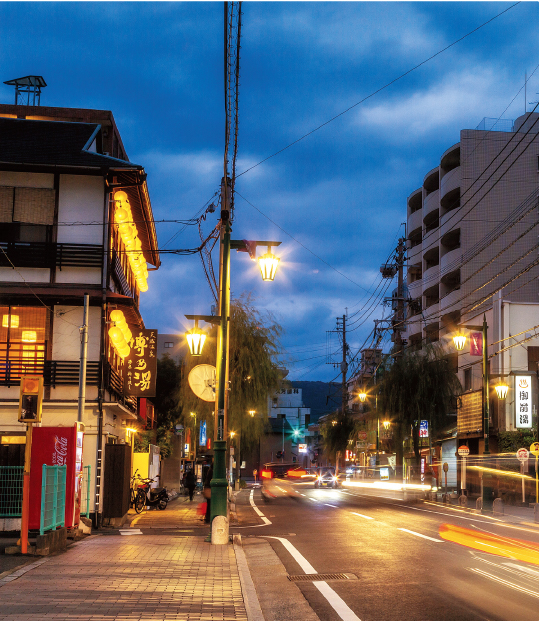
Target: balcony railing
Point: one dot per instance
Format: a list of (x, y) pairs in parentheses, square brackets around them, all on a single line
[(50, 255), (61, 372), (115, 383)]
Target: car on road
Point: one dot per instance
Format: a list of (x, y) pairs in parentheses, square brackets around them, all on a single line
[(326, 478), (275, 482)]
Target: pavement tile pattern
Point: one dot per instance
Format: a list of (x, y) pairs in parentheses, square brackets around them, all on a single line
[(158, 577)]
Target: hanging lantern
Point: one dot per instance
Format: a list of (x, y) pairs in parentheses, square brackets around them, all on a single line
[(459, 340), (501, 390), (268, 265), (195, 340)]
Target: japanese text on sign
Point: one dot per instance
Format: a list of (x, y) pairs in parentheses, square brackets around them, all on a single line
[(523, 402), (140, 367)]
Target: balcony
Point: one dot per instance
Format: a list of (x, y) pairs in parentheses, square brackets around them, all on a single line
[(55, 372), (431, 203), (415, 220), (415, 201), (451, 260), (50, 255), (450, 184)]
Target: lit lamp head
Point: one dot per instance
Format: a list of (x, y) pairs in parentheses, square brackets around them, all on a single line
[(459, 340), (501, 390), (252, 412), (362, 396), (232, 434), (195, 340), (386, 424), (268, 265)]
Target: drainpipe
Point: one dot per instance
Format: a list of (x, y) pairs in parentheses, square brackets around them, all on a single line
[(102, 356)]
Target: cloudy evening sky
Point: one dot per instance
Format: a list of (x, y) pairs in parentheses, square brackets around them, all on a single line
[(337, 198)]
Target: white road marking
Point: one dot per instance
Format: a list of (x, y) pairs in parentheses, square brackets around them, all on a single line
[(420, 535), (328, 505), (334, 600), (461, 517), (367, 517), (314, 499), (257, 510), (511, 585), (130, 531)]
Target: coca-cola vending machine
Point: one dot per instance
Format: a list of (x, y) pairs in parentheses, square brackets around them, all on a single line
[(57, 446)]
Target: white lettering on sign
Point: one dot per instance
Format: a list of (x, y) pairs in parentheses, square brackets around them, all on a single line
[(523, 402), (59, 457)]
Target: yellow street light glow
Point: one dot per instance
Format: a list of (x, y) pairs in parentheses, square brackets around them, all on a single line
[(10, 321), (195, 340), (232, 434), (386, 424), (252, 412), (460, 341), (268, 265), (501, 390), (362, 396)]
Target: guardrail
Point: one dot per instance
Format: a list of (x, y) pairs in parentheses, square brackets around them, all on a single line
[(11, 479), (53, 497)]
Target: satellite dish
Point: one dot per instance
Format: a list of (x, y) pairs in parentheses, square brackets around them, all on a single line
[(202, 381)]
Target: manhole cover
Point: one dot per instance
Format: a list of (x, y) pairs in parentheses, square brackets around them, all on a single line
[(321, 577)]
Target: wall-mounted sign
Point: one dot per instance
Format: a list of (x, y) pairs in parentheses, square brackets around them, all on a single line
[(302, 448), (476, 343), (523, 402), (140, 366), (384, 474), (424, 429)]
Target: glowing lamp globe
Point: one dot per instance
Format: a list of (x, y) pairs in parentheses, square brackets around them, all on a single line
[(460, 341), (268, 265), (362, 396), (195, 341), (501, 390)]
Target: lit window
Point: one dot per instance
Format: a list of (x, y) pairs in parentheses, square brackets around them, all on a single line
[(168, 344)]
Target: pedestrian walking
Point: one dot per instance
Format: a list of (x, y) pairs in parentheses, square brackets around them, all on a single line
[(190, 483), (207, 493)]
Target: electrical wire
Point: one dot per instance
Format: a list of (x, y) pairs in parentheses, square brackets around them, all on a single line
[(378, 90)]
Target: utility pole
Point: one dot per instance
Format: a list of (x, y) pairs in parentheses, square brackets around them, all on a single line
[(344, 365), (398, 326)]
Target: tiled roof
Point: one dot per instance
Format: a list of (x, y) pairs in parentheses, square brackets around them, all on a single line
[(52, 143)]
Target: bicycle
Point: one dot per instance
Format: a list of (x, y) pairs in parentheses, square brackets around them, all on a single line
[(135, 489)]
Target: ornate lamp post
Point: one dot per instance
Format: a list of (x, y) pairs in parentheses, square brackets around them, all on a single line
[(268, 265)]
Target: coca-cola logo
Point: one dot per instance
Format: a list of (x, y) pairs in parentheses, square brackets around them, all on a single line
[(59, 457)]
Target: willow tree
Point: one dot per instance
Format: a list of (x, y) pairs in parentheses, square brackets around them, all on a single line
[(253, 372), (418, 386), (338, 431)]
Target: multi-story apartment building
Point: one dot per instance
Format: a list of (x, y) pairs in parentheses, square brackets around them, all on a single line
[(472, 249), (65, 186)]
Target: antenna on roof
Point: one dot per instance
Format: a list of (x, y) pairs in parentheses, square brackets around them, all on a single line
[(27, 90)]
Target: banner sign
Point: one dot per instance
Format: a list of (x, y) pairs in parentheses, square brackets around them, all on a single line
[(302, 448), (202, 435), (476, 344), (424, 429), (523, 402), (140, 366)]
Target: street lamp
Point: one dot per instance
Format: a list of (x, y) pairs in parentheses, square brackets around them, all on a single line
[(252, 413), (362, 396), (195, 340), (501, 390), (268, 266)]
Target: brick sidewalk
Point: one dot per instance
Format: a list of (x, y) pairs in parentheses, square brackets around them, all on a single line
[(180, 513), (140, 577)]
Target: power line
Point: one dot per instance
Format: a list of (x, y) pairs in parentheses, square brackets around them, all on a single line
[(378, 90)]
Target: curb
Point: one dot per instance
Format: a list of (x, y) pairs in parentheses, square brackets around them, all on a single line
[(250, 598)]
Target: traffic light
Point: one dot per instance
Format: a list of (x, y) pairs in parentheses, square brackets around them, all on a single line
[(280, 454), (30, 399)]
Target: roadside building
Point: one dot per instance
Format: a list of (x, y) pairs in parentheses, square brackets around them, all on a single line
[(64, 178), (471, 251)]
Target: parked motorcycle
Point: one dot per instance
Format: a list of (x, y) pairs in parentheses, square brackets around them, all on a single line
[(150, 497)]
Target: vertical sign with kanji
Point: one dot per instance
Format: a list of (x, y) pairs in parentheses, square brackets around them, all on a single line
[(140, 366), (476, 344), (523, 402)]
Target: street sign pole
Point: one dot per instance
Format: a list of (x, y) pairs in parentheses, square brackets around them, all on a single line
[(534, 449)]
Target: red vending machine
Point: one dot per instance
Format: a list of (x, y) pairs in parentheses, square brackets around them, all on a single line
[(57, 446)]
